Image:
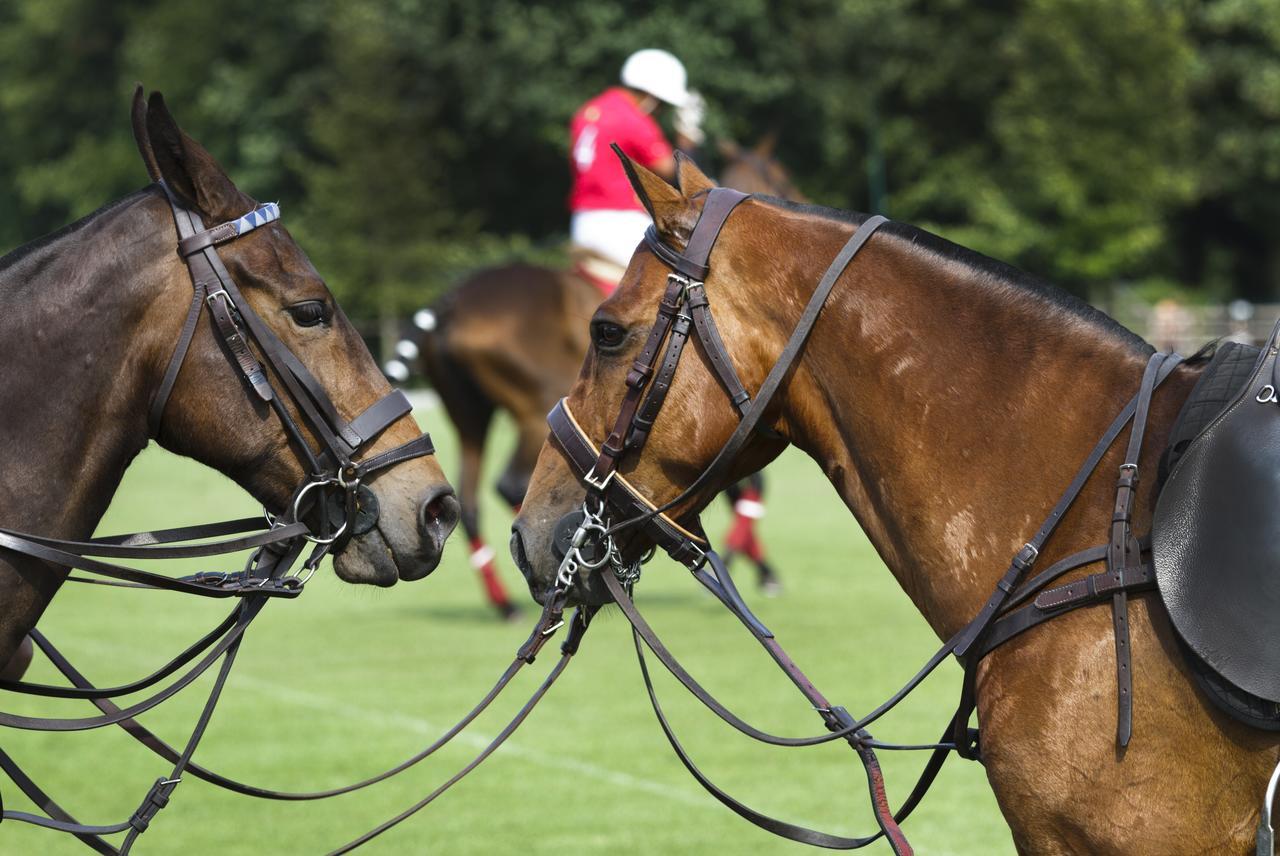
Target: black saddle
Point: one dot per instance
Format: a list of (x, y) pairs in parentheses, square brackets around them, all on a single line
[(1216, 534)]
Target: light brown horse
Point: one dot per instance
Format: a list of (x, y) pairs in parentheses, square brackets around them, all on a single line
[(949, 400), (512, 338), (92, 315)]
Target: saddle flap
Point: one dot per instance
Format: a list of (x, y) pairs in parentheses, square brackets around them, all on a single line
[(1216, 537)]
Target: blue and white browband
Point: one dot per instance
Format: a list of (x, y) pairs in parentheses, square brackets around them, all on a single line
[(268, 212), (260, 216)]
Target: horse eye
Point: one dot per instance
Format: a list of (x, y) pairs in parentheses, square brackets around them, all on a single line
[(309, 313), (606, 334)]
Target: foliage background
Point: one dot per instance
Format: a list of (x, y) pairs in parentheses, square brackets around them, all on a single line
[(1094, 142)]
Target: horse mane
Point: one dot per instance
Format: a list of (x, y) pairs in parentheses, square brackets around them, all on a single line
[(13, 257), (991, 271)]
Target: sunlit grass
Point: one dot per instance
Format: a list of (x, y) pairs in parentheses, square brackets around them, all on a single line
[(346, 681)]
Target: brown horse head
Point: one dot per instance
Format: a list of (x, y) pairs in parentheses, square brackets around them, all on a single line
[(757, 170), (697, 416), (211, 417)]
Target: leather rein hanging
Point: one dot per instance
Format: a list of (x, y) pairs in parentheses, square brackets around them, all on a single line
[(333, 485), (616, 505)]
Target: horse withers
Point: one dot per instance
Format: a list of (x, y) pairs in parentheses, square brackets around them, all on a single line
[(949, 399), (92, 315)]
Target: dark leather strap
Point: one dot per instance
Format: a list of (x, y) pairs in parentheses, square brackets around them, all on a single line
[(155, 413), (696, 258), (713, 345), (681, 544), (578, 627), (378, 417), (1091, 590), (643, 421), (93, 693), (973, 634), (637, 379), (728, 454), (839, 724), (1125, 554), (248, 611)]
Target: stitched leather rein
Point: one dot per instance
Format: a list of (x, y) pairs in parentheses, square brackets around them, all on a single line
[(332, 496), (613, 505)]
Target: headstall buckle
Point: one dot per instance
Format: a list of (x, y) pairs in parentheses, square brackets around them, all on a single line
[(221, 292), (684, 282), (598, 484)]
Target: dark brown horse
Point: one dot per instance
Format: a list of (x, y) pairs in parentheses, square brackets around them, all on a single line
[(92, 316), (949, 399), (512, 338)]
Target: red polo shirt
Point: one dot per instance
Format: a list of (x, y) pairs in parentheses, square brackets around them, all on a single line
[(599, 182)]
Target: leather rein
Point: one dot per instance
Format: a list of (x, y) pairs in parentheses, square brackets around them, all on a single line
[(613, 504), (333, 489)]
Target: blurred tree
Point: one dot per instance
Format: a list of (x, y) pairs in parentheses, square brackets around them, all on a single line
[(411, 139), (1229, 237), (1065, 147)]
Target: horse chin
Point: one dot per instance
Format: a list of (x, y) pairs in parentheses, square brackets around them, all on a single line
[(371, 560)]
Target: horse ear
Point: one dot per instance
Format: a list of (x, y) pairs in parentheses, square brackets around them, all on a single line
[(729, 150), (764, 148), (139, 117), (190, 171), (689, 178), (672, 212)]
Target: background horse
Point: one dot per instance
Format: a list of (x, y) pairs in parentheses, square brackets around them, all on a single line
[(949, 399), (512, 338), (92, 315)]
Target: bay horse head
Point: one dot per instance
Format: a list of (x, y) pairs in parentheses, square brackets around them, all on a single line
[(697, 415), (757, 170), (211, 414)]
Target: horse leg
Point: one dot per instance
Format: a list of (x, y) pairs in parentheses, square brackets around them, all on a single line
[(18, 663), (746, 498), (482, 555), (515, 478)]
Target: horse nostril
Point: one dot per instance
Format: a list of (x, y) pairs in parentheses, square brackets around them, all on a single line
[(518, 555), (438, 514)]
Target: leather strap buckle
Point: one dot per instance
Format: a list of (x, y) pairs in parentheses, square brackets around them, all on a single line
[(1026, 557), (598, 483), (156, 799)]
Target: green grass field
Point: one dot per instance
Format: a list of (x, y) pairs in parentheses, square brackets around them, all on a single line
[(346, 681)]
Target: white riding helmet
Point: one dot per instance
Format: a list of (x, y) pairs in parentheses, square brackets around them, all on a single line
[(658, 73)]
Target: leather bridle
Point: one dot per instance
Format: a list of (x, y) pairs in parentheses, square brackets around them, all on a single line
[(332, 496), (237, 326), (613, 504)]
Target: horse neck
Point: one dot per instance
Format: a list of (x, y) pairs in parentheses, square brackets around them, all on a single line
[(949, 408), (81, 341)]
